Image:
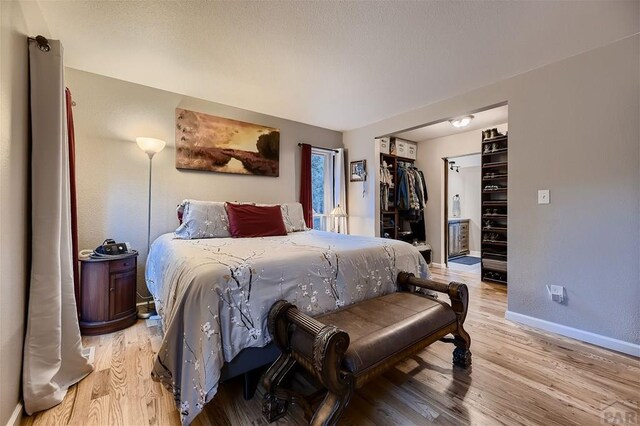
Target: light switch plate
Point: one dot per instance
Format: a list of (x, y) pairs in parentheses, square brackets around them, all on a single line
[(543, 196)]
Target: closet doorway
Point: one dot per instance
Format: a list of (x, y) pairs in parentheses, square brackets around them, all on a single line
[(462, 228), (478, 136)]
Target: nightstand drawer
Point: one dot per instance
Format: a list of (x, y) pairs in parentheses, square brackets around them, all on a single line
[(122, 264)]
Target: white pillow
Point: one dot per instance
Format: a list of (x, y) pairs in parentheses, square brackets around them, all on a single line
[(293, 217), (203, 219)]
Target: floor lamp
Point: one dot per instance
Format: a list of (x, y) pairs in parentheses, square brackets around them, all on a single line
[(151, 147)]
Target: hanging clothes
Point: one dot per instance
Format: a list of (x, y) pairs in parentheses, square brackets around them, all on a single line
[(412, 190), (402, 196), (424, 187), (386, 182)]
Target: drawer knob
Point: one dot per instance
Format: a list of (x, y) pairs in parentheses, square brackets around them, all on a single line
[(112, 289)]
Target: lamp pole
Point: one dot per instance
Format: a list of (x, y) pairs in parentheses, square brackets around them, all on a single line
[(150, 154), (151, 147)]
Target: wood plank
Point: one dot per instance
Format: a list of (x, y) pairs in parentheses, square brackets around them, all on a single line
[(519, 376)]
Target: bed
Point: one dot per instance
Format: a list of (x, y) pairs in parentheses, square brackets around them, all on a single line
[(213, 295)]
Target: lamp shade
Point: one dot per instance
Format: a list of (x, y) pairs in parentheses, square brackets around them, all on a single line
[(150, 145), (338, 212)]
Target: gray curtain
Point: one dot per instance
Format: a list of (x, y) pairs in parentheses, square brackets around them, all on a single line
[(53, 358)]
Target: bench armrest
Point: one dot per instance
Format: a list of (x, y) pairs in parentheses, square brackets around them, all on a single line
[(458, 292), (329, 343)]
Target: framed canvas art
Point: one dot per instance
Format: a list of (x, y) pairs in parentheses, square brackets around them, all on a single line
[(217, 144)]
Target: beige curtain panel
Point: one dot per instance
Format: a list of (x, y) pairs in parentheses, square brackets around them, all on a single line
[(340, 191), (53, 358)]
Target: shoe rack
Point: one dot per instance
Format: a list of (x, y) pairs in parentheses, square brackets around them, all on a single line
[(495, 182)]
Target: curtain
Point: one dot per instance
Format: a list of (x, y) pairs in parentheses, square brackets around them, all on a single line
[(72, 187), (339, 190), (305, 185), (53, 358)]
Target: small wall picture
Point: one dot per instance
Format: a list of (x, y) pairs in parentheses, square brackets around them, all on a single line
[(217, 144), (358, 171)]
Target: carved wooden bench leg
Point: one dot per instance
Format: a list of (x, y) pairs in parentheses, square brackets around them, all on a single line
[(462, 354), (331, 409), (459, 295), (274, 405)]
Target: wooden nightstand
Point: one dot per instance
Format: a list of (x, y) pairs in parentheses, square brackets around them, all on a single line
[(107, 300)]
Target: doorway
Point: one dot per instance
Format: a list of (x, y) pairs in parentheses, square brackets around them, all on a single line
[(462, 227), (481, 133)]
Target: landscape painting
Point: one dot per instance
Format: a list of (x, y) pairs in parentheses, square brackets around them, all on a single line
[(216, 144)]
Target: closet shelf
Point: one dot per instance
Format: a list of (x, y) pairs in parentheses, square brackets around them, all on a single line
[(492, 191), (485, 278), (496, 203), (494, 229), (497, 151), (492, 165), (495, 256), (494, 243), (496, 177), (502, 138)]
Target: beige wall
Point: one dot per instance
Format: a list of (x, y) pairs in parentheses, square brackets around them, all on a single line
[(14, 214), (574, 130), (113, 171), (430, 155)]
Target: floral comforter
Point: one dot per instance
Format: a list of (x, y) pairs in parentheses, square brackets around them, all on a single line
[(214, 295)]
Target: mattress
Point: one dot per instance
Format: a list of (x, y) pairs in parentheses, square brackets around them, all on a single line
[(214, 295)]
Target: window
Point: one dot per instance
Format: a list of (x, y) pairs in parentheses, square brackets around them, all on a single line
[(321, 187)]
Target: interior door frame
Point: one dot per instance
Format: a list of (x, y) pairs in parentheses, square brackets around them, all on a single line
[(445, 216), (445, 202)]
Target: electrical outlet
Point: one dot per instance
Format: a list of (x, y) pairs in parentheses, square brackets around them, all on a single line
[(557, 293), (543, 196)]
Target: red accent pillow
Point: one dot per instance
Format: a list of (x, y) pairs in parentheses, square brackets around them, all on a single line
[(247, 220)]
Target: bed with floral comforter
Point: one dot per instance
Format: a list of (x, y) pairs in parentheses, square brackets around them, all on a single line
[(214, 295)]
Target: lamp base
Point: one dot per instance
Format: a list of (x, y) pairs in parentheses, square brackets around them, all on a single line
[(146, 313)]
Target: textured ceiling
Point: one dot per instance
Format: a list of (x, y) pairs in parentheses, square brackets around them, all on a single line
[(481, 121), (339, 65)]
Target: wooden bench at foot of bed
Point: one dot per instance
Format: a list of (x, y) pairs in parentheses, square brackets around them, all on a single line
[(344, 349)]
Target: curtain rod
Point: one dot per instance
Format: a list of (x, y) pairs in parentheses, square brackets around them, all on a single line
[(43, 43), (321, 148)]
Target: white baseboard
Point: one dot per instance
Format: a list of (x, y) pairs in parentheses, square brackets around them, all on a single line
[(474, 253), (437, 265), (16, 416), (574, 333)]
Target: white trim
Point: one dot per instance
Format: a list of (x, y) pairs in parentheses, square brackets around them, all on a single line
[(574, 333), (474, 254), (437, 265), (16, 416)]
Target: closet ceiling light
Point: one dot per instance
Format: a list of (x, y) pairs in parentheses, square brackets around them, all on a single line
[(462, 121)]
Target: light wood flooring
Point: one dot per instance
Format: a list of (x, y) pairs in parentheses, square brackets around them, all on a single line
[(519, 376)]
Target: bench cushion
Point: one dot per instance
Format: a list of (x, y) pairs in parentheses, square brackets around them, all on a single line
[(381, 327)]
